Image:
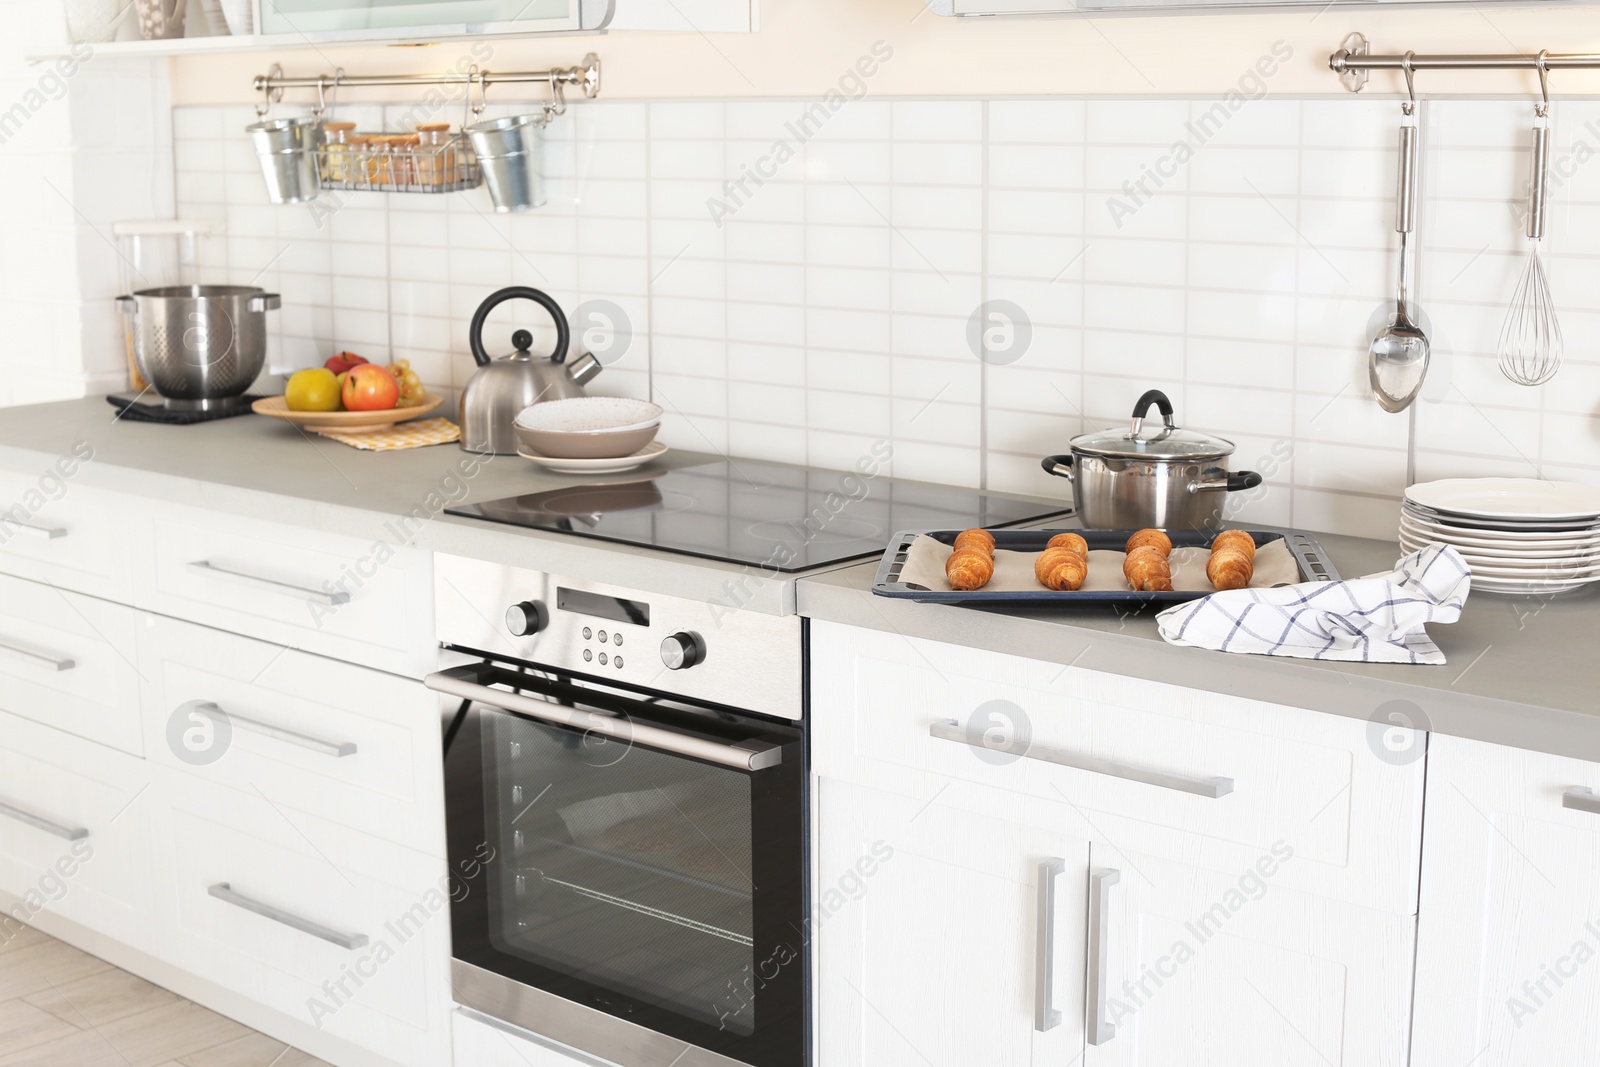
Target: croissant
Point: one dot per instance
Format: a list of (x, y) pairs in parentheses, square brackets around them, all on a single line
[(1061, 569), (1229, 568), (1235, 539), (1154, 538), (1147, 570), (969, 568), (976, 539), (1070, 541)]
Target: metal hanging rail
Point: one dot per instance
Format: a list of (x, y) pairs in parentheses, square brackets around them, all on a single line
[(1354, 59), (586, 76)]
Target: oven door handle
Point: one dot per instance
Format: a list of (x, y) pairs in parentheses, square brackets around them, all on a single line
[(741, 756)]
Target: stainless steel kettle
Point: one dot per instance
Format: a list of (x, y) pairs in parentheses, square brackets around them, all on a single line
[(502, 387)]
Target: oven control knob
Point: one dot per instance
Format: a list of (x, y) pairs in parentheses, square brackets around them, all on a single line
[(527, 618), (682, 650)]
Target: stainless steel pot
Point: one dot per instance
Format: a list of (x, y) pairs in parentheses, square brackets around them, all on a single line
[(1170, 478), (199, 346)]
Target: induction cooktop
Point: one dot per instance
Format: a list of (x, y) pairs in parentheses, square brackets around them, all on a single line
[(781, 518)]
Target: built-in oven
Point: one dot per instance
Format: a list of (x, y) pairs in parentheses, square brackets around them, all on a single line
[(631, 858)]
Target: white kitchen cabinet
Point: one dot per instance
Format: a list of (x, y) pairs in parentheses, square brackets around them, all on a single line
[(1210, 970), (1508, 955), (68, 661), (56, 531), (934, 927), (1207, 779), (356, 746), (339, 931)]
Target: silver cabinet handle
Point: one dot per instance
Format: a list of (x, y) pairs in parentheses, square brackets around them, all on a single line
[(39, 658), (1212, 788), (39, 822), (224, 892), (1581, 798), (1100, 1028), (36, 529), (744, 756), (1046, 1016), (336, 749), (272, 585)]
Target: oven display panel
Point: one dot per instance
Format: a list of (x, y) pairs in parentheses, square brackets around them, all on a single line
[(612, 609)]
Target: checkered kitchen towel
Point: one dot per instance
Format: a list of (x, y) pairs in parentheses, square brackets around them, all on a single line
[(418, 434), (1377, 619)]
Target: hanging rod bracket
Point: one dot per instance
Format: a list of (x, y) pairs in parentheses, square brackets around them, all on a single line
[(585, 76), (1353, 46)]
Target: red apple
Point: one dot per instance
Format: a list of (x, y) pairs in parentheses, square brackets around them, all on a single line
[(368, 387), (343, 361)]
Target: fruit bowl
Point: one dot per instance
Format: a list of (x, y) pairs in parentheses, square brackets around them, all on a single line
[(344, 421)]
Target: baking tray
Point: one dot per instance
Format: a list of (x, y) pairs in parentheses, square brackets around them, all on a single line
[(1315, 566)]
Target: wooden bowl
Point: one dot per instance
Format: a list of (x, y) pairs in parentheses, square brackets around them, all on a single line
[(344, 421)]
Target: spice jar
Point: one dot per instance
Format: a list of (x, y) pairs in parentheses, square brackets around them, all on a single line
[(336, 151), (403, 156), (361, 164), (435, 155)]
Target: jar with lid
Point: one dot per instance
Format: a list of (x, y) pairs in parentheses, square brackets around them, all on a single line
[(361, 160), (435, 155), (336, 151)]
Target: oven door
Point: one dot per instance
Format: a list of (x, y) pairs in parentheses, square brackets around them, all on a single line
[(630, 875)]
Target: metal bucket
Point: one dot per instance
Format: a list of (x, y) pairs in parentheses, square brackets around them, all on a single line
[(508, 151), (287, 151)]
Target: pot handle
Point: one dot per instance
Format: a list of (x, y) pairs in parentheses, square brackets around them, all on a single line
[(1141, 408), (1233, 483), (265, 302), (475, 333), (1060, 466)]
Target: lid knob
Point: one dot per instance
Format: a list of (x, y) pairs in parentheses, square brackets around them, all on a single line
[(522, 340)]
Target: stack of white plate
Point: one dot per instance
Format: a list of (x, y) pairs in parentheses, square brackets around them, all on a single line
[(1519, 535)]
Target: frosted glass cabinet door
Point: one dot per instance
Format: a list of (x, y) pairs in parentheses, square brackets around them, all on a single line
[(1210, 970), (929, 930), (1508, 952), (400, 17)]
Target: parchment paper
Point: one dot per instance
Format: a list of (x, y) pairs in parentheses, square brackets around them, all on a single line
[(1013, 571)]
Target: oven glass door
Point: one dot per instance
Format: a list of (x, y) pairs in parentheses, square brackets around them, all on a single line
[(659, 887)]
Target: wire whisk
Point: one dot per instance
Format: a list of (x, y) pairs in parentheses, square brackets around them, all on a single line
[(1530, 341)]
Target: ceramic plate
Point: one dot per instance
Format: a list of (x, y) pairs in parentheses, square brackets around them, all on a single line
[(1463, 522), (1525, 588), (1508, 498), (1584, 554), (653, 450), (1453, 534), (344, 421), (1522, 548)]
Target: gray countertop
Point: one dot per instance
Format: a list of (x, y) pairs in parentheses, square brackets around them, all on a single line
[(1522, 671)]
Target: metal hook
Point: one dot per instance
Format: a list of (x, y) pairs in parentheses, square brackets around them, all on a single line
[(1543, 108), (269, 94), (482, 77), (1408, 107), (322, 99)]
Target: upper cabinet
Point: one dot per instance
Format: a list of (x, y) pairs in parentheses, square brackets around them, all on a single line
[(1051, 7), (382, 19)]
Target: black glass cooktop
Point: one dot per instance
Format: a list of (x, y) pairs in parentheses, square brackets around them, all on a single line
[(743, 511)]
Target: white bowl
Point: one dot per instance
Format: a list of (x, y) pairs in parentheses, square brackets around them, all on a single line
[(590, 414)]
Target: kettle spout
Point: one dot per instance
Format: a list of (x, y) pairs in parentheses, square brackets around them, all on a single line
[(584, 369)]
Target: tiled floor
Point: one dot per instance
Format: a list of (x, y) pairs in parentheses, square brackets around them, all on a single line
[(63, 1008)]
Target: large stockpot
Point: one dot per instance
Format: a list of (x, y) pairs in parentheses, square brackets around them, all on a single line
[(1169, 478), (199, 346)]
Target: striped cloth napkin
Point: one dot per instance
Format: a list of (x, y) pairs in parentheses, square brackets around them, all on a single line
[(418, 434), (1377, 619)]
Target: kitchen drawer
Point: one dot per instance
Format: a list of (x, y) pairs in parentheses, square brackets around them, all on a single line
[(1148, 755), (338, 930), (366, 602), (73, 833), (357, 746), (484, 1042), (53, 530), (68, 661)]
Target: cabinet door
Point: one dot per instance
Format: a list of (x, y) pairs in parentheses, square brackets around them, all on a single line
[(1208, 970), (1508, 954), (942, 935)]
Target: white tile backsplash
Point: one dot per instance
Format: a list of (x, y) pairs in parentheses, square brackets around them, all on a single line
[(828, 298)]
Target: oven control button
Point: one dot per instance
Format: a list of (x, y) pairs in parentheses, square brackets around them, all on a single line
[(527, 618), (682, 650)]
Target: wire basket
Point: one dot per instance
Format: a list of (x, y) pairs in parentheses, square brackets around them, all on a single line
[(387, 163)]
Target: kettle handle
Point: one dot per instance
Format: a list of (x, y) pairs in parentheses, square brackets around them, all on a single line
[(475, 334)]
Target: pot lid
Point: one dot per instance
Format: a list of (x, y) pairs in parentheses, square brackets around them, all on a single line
[(1148, 440)]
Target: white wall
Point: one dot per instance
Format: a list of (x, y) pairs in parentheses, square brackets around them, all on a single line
[(87, 141), (832, 306)]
